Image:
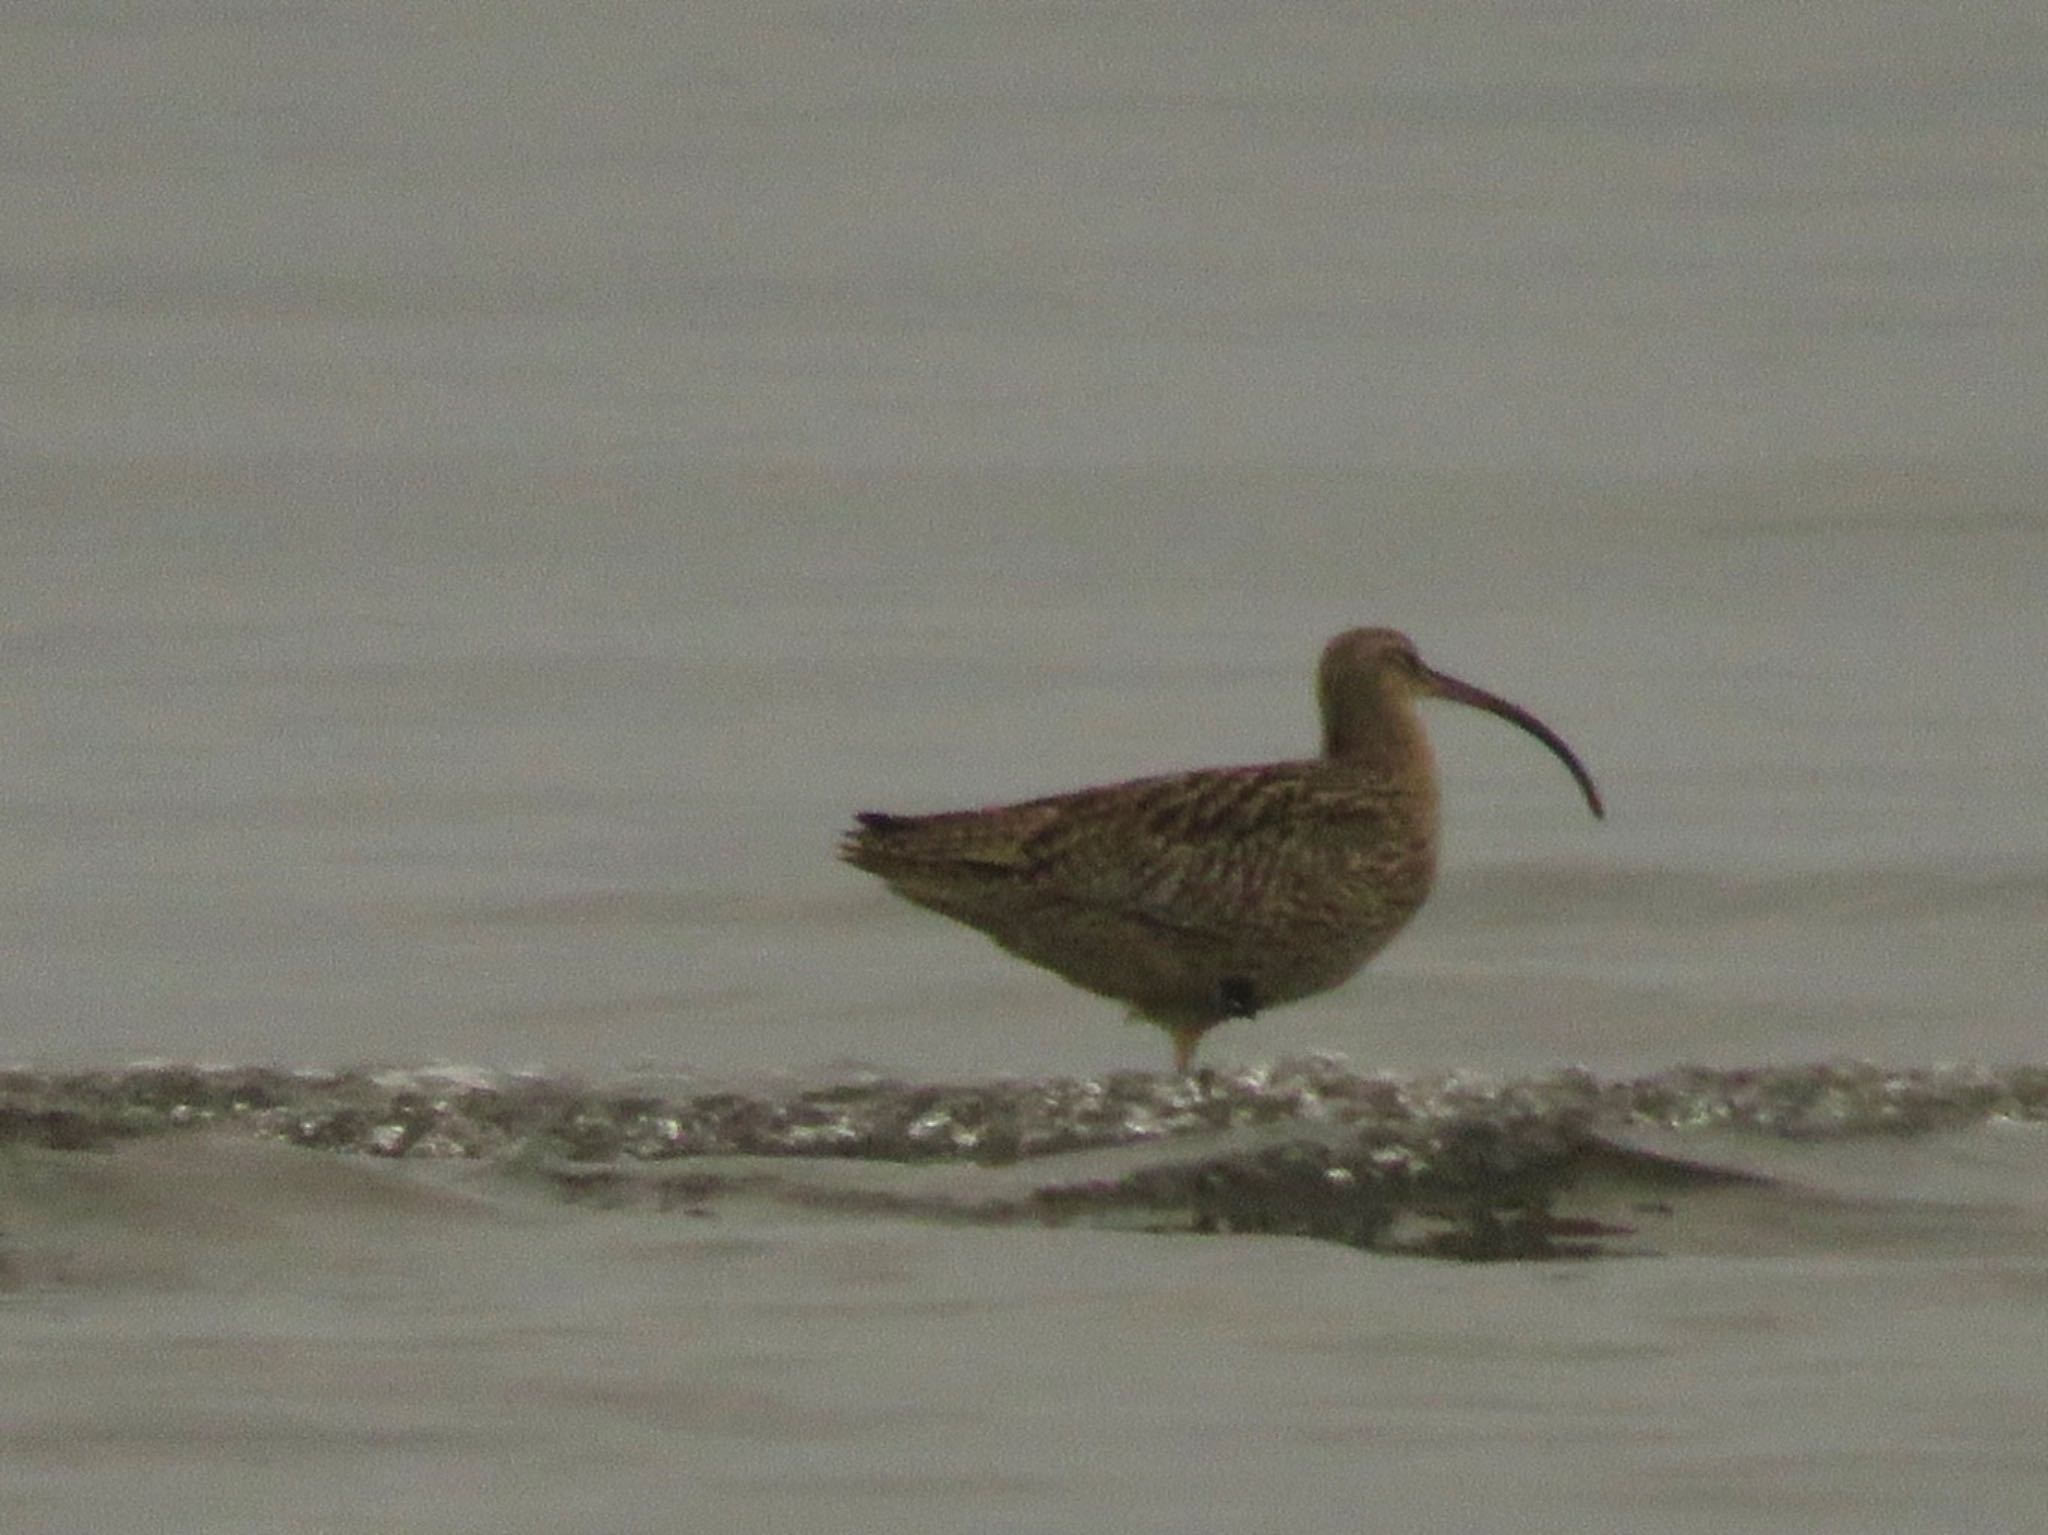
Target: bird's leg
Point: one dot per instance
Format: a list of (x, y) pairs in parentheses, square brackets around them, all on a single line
[(1185, 1037)]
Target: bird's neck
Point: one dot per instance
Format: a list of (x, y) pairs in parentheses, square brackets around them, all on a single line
[(1380, 734)]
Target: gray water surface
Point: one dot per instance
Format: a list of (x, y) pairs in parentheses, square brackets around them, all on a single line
[(486, 494)]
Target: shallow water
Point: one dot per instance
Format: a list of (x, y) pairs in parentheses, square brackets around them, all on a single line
[(238, 1334), (486, 498)]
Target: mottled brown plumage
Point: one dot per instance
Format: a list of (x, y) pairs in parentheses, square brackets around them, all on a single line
[(1199, 897)]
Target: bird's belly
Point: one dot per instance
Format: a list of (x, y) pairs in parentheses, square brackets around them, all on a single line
[(1293, 945), (1332, 937)]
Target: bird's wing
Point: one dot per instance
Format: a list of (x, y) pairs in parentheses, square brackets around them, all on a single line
[(1222, 851), (1213, 851), (991, 841)]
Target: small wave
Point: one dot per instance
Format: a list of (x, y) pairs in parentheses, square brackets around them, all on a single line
[(1452, 1165)]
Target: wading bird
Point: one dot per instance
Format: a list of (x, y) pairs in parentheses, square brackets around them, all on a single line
[(1211, 895)]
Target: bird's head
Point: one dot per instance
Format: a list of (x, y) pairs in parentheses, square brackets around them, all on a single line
[(1368, 683)]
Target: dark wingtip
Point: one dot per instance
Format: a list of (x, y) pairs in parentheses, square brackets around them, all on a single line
[(856, 845)]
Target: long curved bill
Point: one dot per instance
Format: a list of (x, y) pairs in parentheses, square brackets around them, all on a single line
[(1443, 686)]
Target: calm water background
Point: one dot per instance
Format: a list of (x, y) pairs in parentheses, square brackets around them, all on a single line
[(486, 492)]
